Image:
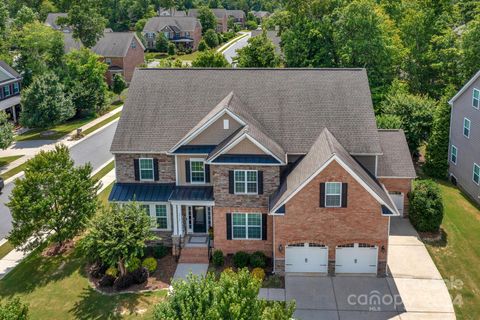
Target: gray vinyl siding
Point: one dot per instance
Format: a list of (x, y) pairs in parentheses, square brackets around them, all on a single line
[(368, 162), (468, 149)]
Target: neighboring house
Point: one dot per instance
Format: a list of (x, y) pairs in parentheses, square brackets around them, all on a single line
[(220, 14), (261, 14), (122, 51), (272, 35), (238, 17), (185, 32), (286, 161), (464, 146), (171, 12), (51, 21), (10, 86)]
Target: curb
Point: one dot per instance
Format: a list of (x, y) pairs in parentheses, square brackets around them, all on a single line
[(227, 45)]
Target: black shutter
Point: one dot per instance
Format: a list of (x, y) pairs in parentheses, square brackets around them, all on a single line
[(207, 173), (322, 195), (231, 182), (187, 170), (229, 226), (264, 226), (260, 182), (136, 168), (344, 194), (155, 169)]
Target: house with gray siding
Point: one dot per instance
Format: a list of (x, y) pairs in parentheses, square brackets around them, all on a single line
[(464, 145)]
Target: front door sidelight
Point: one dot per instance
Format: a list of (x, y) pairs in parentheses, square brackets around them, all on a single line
[(199, 219)]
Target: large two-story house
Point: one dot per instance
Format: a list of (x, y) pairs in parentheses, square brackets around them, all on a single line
[(286, 161), (10, 86), (185, 32), (464, 146)]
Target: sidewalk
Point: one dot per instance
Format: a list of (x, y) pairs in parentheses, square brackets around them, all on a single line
[(231, 42), (14, 257), (31, 147)]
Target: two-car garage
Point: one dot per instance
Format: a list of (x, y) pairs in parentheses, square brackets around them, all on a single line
[(355, 258)]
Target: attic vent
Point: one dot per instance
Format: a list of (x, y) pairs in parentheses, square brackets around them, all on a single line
[(226, 124)]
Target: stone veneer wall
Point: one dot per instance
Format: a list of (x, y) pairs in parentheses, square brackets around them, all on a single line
[(126, 173)]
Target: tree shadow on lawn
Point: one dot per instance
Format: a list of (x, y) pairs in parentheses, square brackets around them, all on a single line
[(36, 271)]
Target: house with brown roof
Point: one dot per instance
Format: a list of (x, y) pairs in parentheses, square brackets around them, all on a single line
[(185, 32), (220, 14), (121, 51), (289, 162), (10, 87), (238, 17)]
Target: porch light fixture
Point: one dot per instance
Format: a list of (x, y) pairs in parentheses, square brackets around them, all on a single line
[(383, 249), (280, 248)]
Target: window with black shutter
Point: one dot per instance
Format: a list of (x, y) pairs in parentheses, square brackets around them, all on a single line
[(155, 170), (136, 168), (187, 170), (231, 182), (229, 226), (264, 226), (207, 173), (344, 194), (260, 182), (322, 195)]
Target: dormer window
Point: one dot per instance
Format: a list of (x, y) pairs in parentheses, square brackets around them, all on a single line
[(226, 124), (197, 171), (476, 98)]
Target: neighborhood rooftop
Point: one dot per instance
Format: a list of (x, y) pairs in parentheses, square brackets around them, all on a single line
[(156, 24), (7, 73), (112, 44), (396, 160), (292, 105)]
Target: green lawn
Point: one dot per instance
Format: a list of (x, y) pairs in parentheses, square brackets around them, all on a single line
[(5, 248), (60, 130), (109, 167), (14, 171), (57, 288), (458, 256), (6, 160), (188, 57), (103, 196)]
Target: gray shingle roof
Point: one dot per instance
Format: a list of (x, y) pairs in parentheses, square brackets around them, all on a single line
[(325, 147), (293, 105), (7, 73), (238, 14), (52, 20), (396, 160), (219, 13), (156, 24), (112, 44)]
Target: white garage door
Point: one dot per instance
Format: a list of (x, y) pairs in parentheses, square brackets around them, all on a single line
[(306, 257), (397, 198), (356, 258)]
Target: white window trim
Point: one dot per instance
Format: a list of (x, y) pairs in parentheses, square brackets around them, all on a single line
[(245, 182), (325, 200), (5, 91), (140, 169), (16, 86), (152, 213), (473, 98), (469, 127), (473, 174), (191, 171), (246, 226), (456, 154)]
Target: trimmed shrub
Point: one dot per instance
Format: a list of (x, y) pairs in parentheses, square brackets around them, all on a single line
[(133, 264), (258, 260), (159, 251), (140, 275), (123, 282), (112, 272), (217, 258), (106, 281), (258, 273), (228, 270), (426, 206), (171, 49), (211, 38), (202, 46), (240, 259), (150, 264)]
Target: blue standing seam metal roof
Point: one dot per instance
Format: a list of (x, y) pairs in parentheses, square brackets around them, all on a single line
[(159, 192), (199, 149), (192, 193), (246, 158)]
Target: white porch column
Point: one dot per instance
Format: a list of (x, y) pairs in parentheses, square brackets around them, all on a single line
[(180, 220), (175, 220)]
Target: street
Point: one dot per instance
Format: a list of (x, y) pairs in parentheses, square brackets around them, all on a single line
[(94, 149), (231, 52)]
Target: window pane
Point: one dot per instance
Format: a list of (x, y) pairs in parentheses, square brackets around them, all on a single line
[(162, 223), (161, 210), (146, 174), (254, 219), (254, 233), (239, 219), (252, 187), (239, 232), (332, 200), (146, 163), (239, 176), (146, 169), (252, 176), (146, 208), (240, 187), (333, 188)]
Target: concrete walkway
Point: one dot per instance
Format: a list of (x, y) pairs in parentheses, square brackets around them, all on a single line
[(184, 269), (30, 148)]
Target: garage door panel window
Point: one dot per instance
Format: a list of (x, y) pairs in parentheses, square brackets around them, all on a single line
[(247, 226), (333, 194)]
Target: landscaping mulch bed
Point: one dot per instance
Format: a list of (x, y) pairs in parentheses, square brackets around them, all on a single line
[(55, 249), (431, 236), (160, 279)]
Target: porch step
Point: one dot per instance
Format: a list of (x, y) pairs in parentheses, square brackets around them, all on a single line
[(194, 255)]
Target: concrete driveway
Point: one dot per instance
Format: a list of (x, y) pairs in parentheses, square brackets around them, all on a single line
[(414, 289)]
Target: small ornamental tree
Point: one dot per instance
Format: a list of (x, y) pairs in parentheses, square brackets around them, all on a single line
[(426, 206), (233, 296), (13, 309), (118, 84), (202, 46), (161, 42), (211, 38), (6, 131), (171, 49), (210, 59), (117, 235), (45, 103), (53, 201)]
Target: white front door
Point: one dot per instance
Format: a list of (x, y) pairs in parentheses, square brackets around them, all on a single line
[(398, 198), (356, 258), (306, 257)]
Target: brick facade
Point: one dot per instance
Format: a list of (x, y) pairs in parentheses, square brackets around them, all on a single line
[(132, 59), (403, 185), (124, 167), (232, 246), (271, 181), (305, 221)]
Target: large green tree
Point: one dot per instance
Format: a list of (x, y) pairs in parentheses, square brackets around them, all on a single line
[(24, 15), (210, 59), (211, 38), (53, 201), (259, 53), (45, 103), (85, 80), (6, 131), (161, 42), (470, 46), (117, 235), (233, 296), (86, 21), (207, 19)]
